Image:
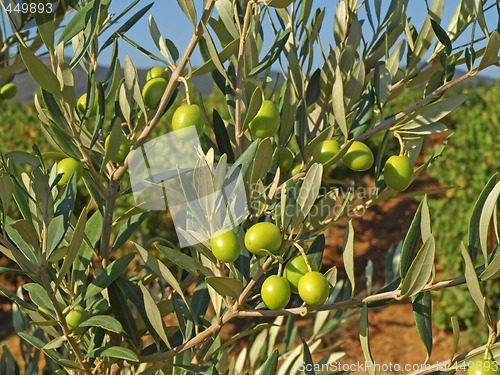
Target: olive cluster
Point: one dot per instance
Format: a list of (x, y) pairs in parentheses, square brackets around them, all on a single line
[(300, 276)]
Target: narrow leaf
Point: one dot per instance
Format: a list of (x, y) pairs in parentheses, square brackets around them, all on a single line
[(348, 256), (422, 311), (40, 73), (364, 337), (108, 275), (225, 286), (105, 322), (485, 218), (472, 280), (473, 235), (271, 365), (154, 315), (420, 270), (120, 352)]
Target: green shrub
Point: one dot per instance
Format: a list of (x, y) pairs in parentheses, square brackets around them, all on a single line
[(472, 157)]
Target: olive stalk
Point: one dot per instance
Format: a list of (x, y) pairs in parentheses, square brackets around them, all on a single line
[(42, 273), (389, 122), (236, 313), (169, 91)]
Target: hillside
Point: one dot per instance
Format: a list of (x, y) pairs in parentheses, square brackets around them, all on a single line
[(204, 84)]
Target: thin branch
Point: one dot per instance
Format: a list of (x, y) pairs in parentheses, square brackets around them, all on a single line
[(50, 291), (254, 280), (395, 294), (169, 91), (234, 313), (389, 122)]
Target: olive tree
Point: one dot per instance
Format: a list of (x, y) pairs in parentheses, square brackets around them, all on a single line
[(252, 186)]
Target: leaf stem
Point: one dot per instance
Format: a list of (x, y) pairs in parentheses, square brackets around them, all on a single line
[(304, 256)]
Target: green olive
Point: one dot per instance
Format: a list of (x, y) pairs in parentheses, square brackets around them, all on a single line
[(152, 92), (313, 288), (398, 172), (8, 91), (325, 151), (358, 157), (67, 167), (286, 157), (188, 115), (275, 292), (75, 317), (225, 246), (155, 72), (263, 236), (267, 120)]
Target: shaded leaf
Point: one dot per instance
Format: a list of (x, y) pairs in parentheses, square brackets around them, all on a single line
[(271, 365), (222, 137), (313, 90), (364, 338), (315, 253), (108, 275), (308, 361), (348, 256), (122, 312), (273, 54), (120, 352), (422, 311), (474, 227), (225, 286), (105, 322), (420, 269), (442, 36)]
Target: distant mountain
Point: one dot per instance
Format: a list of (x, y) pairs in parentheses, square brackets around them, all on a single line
[(27, 87), (204, 84)]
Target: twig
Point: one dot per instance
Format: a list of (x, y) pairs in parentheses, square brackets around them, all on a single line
[(347, 303), (234, 313), (169, 91), (254, 280), (46, 284), (387, 123)]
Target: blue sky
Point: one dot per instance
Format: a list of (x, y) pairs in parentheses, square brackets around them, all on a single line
[(174, 25)]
